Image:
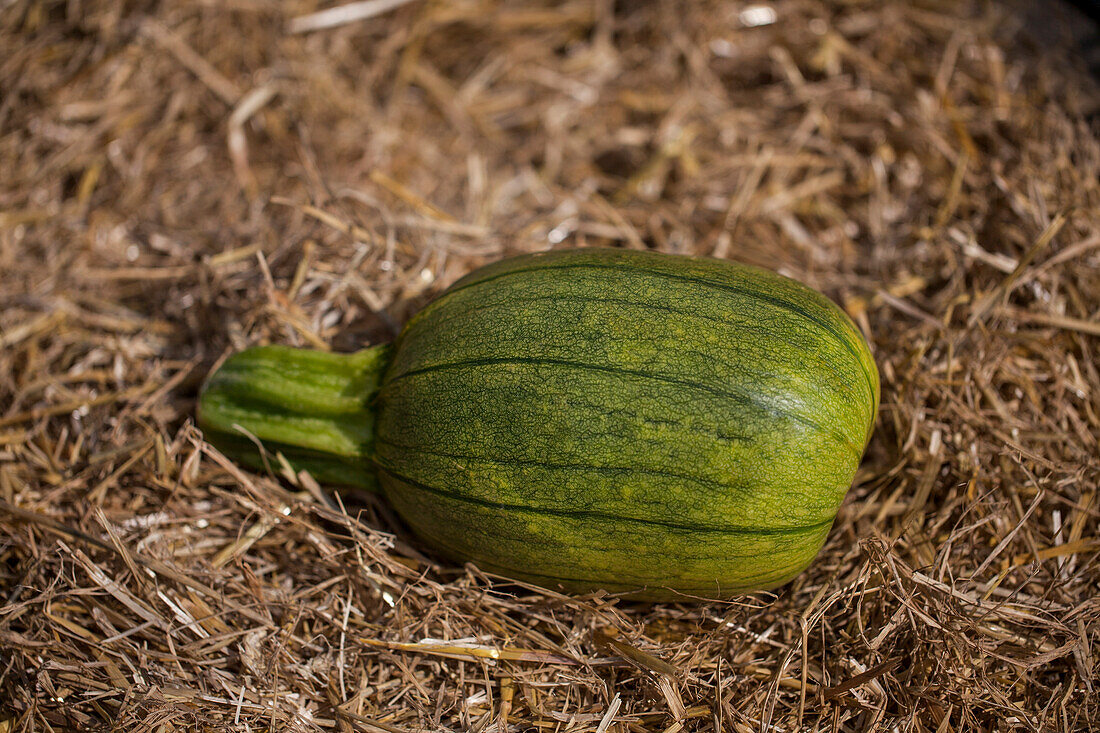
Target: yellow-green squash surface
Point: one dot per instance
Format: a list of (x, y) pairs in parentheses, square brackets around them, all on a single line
[(631, 421)]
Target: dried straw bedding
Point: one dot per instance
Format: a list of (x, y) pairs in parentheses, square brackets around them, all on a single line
[(180, 181)]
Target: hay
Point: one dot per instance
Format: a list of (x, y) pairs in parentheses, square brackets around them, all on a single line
[(183, 180)]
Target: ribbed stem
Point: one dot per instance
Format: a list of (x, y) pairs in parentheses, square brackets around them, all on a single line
[(313, 407)]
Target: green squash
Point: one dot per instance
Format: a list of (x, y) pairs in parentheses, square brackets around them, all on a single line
[(651, 424)]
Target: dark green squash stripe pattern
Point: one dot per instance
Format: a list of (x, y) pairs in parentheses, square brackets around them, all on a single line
[(612, 410)]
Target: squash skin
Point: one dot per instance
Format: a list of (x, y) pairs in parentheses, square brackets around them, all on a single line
[(655, 425), (622, 420)]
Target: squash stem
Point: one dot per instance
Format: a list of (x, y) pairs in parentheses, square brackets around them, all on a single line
[(313, 407)]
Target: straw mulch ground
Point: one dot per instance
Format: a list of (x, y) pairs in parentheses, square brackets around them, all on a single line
[(182, 179)]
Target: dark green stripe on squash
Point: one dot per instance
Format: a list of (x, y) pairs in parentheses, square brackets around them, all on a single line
[(588, 418)]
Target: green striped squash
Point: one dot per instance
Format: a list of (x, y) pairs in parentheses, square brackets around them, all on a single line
[(651, 424)]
